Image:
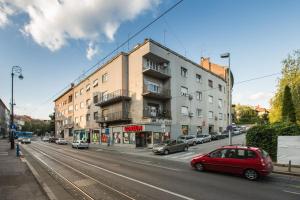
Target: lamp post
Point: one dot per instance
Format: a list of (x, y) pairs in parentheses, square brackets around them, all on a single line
[(227, 55), (16, 70)]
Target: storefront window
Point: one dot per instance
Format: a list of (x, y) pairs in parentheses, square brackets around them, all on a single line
[(104, 138), (129, 138), (117, 138), (157, 138), (96, 136)]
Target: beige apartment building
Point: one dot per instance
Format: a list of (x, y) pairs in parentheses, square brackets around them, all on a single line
[(143, 97)]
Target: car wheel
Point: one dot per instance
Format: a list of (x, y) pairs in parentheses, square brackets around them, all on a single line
[(251, 174), (194, 143), (199, 167), (166, 152), (186, 148)]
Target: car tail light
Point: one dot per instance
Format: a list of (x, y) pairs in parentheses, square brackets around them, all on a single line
[(262, 162)]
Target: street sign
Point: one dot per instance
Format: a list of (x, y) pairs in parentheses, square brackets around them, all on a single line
[(13, 126)]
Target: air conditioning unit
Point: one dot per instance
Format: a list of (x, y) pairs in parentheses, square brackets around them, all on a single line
[(190, 97), (191, 114)]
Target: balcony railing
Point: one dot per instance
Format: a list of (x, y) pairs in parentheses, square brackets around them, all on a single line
[(147, 112), (157, 71), (119, 116), (113, 97), (156, 92)]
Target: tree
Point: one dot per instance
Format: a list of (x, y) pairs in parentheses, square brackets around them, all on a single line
[(245, 114), (288, 110), (290, 77), (52, 123)]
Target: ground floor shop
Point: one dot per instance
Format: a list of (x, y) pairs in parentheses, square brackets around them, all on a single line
[(135, 135)]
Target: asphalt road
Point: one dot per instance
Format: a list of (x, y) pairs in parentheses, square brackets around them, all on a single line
[(113, 175)]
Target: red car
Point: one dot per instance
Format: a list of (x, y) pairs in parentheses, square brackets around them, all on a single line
[(251, 162)]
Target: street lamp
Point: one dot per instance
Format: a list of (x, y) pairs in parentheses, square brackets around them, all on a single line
[(16, 70), (227, 55)]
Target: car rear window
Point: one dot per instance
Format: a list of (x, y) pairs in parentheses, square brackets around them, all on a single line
[(264, 153)]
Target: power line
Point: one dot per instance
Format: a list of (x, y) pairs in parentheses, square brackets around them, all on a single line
[(118, 47), (261, 77)]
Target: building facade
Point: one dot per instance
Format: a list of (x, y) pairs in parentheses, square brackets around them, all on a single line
[(143, 97), (4, 120)]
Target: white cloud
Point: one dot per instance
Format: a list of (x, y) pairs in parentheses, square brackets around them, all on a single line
[(91, 50), (51, 23), (260, 96)]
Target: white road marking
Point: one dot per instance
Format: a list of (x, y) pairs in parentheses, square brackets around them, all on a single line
[(154, 165), (131, 179), (291, 192), (191, 156), (182, 155), (3, 153)]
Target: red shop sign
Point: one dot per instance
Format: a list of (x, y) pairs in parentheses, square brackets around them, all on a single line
[(133, 128)]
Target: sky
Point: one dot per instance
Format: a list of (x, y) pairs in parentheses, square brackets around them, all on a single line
[(55, 41)]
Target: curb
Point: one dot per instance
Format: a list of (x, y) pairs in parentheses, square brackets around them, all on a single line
[(43, 185), (286, 173)]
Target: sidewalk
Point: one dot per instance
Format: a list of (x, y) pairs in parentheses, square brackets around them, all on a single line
[(282, 169), (16, 179), (118, 148)]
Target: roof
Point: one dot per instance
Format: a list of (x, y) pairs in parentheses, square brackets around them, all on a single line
[(239, 147), (3, 104), (134, 49)]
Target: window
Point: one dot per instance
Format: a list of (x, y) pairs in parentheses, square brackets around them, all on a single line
[(70, 99), (251, 154), (184, 91), (81, 104), (210, 99), (198, 78), (81, 118), (218, 153), (81, 91), (95, 83), (220, 103), (199, 130), (220, 87), (199, 112), (88, 87), (220, 116), (153, 87), (76, 120), (76, 107), (210, 83), (88, 117), (220, 129), (184, 110), (76, 94), (95, 115), (104, 78), (70, 108), (88, 103), (183, 72), (199, 96), (95, 99), (210, 114)]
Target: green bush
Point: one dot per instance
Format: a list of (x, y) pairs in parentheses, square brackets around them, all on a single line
[(265, 136)]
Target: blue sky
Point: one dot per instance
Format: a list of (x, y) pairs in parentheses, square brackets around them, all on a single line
[(258, 34)]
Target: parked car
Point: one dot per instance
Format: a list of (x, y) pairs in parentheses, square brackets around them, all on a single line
[(26, 141), (61, 141), (170, 146), (188, 139), (80, 144), (52, 139), (251, 162), (236, 131), (200, 139), (215, 136), (45, 139)]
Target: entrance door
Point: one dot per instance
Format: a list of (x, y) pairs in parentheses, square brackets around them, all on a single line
[(140, 139), (211, 128)]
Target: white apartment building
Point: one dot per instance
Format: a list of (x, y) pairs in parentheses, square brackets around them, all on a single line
[(143, 97)]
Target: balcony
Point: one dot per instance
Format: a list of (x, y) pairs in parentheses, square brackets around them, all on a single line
[(157, 71), (149, 113), (113, 97), (121, 116), (156, 92), (69, 125)]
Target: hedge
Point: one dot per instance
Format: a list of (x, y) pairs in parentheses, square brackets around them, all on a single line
[(265, 136)]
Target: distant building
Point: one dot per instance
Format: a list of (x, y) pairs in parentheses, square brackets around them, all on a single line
[(261, 111), (20, 120), (4, 120)]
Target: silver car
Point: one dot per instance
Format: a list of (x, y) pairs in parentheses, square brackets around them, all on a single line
[(61, 141), (80, 144), (200, 139), (188, 139)]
